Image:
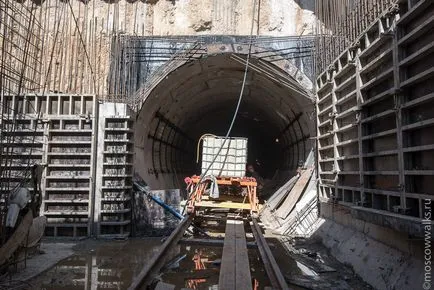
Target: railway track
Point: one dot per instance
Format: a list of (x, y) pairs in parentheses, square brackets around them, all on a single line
[(234, 269)]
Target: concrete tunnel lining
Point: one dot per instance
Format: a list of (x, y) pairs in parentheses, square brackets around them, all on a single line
[(200, 97)]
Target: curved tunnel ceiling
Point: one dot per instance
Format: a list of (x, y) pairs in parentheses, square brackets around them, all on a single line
[(201, 96)]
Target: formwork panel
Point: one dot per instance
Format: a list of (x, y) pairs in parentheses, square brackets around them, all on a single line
[(115, 172), (70, 161), (384, 160), (22, 143), (42, 130)]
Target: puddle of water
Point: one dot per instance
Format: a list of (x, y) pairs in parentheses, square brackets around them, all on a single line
[(288, 266), (101, 265), (114, 264), (199, 268)]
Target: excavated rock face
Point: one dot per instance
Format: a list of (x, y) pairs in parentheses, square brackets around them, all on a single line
[(101, 21), (164, 17), (202, 25)]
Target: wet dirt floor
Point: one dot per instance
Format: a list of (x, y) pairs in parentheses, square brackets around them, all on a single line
[(99, 264), (113, 264)]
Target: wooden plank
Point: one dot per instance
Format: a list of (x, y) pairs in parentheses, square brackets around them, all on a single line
[(284, 210), (212, 242), (235, 269), (267, 212), (243, 278), (227, 269), (224, 204), (275, 200)]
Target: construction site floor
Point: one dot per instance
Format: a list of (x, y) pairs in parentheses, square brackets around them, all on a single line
[(91, 264)]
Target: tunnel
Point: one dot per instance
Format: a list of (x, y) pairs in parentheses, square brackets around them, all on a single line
[(200, 97)]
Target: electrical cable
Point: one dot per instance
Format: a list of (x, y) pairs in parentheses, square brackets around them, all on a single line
[(236, 109), (198, 144), (241, 93)]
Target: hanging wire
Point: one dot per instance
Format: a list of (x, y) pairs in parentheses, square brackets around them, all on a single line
[(240, 98)]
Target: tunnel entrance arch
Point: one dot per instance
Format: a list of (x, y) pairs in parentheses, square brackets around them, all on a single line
[(193, 96)]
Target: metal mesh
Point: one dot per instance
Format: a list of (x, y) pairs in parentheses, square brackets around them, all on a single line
[(341, 22)]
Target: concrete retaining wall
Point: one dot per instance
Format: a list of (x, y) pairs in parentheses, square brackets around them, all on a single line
[(150, 219), (384, 258)]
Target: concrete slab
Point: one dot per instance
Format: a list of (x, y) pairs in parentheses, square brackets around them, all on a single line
[(52, 254)]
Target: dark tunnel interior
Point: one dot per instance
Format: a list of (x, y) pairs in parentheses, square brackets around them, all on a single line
[(264, 149), (201, 96)]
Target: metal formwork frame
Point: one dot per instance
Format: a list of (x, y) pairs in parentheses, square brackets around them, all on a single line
[(196, 188), (387, 83)]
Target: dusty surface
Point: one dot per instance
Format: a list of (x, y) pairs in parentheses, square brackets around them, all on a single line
[(50, 254), (309, 264)]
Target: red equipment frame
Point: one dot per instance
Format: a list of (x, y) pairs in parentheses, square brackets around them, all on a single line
[(196, 191)]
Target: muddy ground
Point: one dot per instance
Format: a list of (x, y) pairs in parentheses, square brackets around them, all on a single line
[(93, 264)]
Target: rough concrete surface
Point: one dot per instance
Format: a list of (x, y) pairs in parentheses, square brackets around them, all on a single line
[(320, 270), (50, 254), (379, 265), (99, 21)]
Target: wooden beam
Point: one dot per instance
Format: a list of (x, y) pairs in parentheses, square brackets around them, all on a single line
[(223, 204), (212, 242), (284, 210), (235, 269)]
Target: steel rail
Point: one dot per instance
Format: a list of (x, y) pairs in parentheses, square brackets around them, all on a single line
[(157, 261), (276, 277)]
